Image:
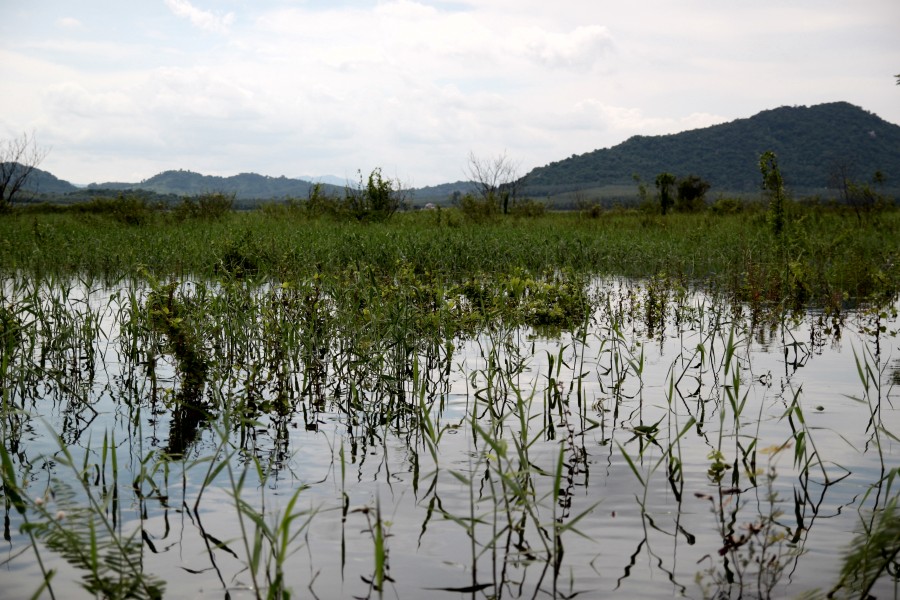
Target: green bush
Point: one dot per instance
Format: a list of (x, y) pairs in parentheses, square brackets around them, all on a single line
[(528, 208), (691, 194), (319, 203), (478, 209), (376, 199), (727, 206), (594, 211), (130, 209), (205, 206)]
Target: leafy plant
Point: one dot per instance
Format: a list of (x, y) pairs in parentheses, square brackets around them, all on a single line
[(80, 526), (374, 199), (773, 184), (874, 551), (691, 194), (664, 184)]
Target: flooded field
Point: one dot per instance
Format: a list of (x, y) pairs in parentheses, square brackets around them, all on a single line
[(549, 439)]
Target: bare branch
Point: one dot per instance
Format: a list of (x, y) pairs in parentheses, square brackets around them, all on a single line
[(495, 178), (18, 158)]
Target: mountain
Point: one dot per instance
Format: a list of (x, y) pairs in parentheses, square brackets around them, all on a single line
[(329, 179), (444, 192), (43, 182), (251, 186), (243, 186), (811, 143)]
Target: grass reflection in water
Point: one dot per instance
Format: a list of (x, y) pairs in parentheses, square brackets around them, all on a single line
[(355, 441)]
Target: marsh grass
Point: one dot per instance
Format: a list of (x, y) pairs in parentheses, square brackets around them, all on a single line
[(822, 257)]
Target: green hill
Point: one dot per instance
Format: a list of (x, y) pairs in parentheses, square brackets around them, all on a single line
[(442, 193), (811, 143), (43, 182), (243, 186), (251, 186)]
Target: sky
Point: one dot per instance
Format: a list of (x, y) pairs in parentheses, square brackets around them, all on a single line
[(120, 91)]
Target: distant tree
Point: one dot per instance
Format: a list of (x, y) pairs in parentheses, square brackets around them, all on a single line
[(840, 175), (18, 158), (643, 194), (497, 179), (861, 197), (773, 184), (375, 198), (898, 78), (664, 184), (691, 194)]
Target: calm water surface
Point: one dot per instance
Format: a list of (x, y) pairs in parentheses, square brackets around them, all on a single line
[(780, 459)]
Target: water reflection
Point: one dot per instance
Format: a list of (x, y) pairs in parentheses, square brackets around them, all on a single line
[(669, 446)]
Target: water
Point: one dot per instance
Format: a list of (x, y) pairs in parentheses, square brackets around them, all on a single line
[(688, 464)]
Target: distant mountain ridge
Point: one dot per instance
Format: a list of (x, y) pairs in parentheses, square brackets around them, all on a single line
[(810, 142), (44, 182), (251, 186), (243, 185), (329, 179)]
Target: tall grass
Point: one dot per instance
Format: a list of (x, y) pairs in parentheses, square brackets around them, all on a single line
[(823, 258)]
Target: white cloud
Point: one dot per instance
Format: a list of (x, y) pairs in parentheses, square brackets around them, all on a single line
[(582, 47), (413, 86), (69, 23), (70, 99), (197, 92), (201, 18)]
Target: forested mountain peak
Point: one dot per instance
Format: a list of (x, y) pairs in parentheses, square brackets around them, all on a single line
[(44, 182), (811, 144)]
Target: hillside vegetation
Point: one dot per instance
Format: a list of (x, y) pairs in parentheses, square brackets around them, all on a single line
[(812, 143), (242, 186)]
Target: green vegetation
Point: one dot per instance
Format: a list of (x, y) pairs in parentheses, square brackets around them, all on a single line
[(774, 187), (522, 404), (242, 186), (811, 142), (691, 194), (664, 184), (826, 255)]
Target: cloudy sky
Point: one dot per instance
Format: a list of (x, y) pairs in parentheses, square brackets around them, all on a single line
[(119, 91)]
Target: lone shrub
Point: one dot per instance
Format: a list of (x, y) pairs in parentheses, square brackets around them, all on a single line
[(664, 183), (691, 194), (478, 209), (376, 199), (727, 206), (773, 185)]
